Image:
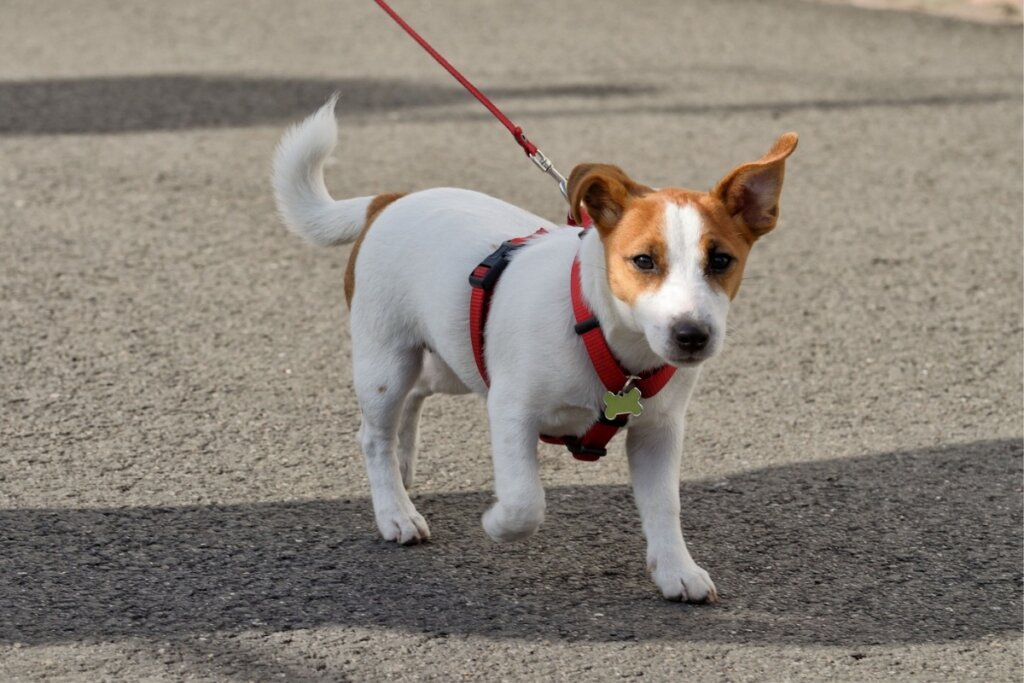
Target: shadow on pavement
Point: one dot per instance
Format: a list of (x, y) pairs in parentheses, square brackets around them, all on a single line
[(176, 102), (132, 104), (904, 547), (779, 107)]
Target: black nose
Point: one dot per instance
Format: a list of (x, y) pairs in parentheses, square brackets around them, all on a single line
[(690, 336)]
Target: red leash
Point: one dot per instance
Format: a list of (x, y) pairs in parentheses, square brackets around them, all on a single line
[(536, 156)]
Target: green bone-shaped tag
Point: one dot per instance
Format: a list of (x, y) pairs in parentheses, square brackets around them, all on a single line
[(622, 403)]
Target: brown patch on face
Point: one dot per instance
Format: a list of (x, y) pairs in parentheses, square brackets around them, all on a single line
[(722, 234), (372, 211), (630, 218), (640, 230)]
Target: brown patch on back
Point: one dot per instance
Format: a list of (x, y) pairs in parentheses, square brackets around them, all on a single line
[(379, 203)]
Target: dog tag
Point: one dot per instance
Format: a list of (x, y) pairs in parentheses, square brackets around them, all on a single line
[(622, 403)]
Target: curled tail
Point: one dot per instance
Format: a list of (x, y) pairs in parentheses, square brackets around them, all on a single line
[(302, 198)]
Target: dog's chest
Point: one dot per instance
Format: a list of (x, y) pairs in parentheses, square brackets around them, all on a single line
[(567, 420)]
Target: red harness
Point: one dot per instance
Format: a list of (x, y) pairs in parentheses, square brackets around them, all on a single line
[(592, 445)]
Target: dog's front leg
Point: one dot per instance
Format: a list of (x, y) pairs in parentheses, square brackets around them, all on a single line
[(654, 453), (519, 509)]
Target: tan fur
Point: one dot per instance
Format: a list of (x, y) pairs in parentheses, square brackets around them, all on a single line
[(640, 231), (750, 192), (724, 234), (630, 217), (606, 192), (378, 204)]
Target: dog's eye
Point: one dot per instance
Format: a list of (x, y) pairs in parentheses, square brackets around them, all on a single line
[(643, 262), (719, 262)]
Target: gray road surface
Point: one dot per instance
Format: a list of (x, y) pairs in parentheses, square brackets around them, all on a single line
[(181, 496)]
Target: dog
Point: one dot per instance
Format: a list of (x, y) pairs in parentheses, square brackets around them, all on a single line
[(658, 269)]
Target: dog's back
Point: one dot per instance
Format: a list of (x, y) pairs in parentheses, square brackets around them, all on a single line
[(407, 276)]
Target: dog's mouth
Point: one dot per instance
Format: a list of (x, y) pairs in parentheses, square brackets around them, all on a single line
[(688, 359)]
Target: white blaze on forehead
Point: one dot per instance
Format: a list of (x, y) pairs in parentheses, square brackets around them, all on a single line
[(680, 293), (685, 291), (684, 227)]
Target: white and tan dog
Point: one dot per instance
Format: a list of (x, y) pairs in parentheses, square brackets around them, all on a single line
[(658, 271)]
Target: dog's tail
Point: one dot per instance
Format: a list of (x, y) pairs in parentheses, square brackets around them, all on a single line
[(302, 198)]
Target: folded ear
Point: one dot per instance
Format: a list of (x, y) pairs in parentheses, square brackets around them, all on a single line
[(604, 190), (751, 191)]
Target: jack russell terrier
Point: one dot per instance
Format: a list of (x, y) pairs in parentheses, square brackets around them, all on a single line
[(656, 275)]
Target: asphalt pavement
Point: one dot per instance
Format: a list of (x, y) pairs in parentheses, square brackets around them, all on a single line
[(181, 493)]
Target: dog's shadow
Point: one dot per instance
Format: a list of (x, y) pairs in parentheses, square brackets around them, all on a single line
[(898, 548)]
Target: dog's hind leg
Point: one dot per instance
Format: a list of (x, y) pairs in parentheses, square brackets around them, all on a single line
[(384, 376), (409, 431), (435, 378)]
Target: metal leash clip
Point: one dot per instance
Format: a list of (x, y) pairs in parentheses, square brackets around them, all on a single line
[(544, 164)]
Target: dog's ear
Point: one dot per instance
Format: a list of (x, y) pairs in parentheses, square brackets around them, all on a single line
[(751, 191), (604, 190)]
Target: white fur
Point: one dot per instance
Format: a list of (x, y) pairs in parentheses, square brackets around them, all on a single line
[(409, 323), (298, 178), (686, 292)]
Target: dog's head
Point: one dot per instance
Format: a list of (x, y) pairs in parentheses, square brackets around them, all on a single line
[(675, 257)]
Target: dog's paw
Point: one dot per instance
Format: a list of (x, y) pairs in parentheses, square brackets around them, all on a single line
[(684, 583), (405, 527), (507, 524)]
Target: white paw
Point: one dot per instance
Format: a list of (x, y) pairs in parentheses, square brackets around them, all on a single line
[(685, 583), (406, 527), (505, 524)]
